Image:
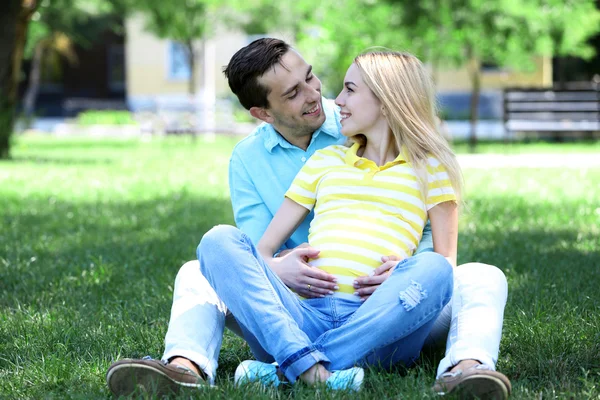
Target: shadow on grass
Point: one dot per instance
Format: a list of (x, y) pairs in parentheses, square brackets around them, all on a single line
[(551, 337), (90, 283)]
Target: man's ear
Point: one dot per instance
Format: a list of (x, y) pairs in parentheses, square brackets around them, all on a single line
[(262, 114)]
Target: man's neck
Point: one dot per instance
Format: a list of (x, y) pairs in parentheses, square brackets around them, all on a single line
[(300, 141)]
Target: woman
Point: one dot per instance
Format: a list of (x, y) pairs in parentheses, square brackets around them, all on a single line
[(371, 200)]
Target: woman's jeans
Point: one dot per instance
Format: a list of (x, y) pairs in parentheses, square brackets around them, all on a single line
[(391, 326), (471, 322)]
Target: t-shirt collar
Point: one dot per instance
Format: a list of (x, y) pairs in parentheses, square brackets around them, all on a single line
[(352, 158)]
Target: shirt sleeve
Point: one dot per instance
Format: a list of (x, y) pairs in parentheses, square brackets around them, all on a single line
[(250, 212), (304, 187), (439, 188)]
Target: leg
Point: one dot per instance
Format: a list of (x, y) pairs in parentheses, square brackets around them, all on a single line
[(197, 321), (478, 302), (278, 321), (192, 343), (396, 319), (475, 326)]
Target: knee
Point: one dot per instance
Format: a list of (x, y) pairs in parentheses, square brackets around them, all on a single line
[(188, 271), (436, 264), (217, 238), (432, 267), (489, 278)]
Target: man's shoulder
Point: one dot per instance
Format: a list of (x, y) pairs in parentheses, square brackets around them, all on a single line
[(253, 143)]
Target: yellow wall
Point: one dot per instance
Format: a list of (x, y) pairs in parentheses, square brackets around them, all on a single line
[(458, 79), (146, 58)]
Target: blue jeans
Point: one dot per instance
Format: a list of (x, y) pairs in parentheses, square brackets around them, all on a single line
[(389, 327)]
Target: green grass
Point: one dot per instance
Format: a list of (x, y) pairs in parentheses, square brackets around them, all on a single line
[(92, 233)]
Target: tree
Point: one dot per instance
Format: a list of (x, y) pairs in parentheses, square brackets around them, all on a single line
[(184, 22), (506, 32), (14, 19), (336, 32), (57, 27)]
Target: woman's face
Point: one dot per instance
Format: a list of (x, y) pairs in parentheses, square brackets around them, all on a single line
[(360, 109)]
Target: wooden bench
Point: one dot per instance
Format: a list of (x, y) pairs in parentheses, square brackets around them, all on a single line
[(561, 112)]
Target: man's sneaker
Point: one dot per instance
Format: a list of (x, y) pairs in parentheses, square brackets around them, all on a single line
[(477, 382), (150, 376), (347, 379), (250, 371)]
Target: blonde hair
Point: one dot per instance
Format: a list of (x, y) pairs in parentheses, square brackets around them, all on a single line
[(403, 86)]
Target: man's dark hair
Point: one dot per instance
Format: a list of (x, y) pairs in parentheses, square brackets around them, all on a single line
[(248, 64)]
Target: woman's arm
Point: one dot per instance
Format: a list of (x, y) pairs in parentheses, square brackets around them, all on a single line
[(444, 228), (287, 219)]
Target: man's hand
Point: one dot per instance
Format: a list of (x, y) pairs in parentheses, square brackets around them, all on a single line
[(293, 269), (366, 285)]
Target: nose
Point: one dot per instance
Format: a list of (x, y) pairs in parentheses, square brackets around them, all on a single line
[(339, 101), (315, 93)]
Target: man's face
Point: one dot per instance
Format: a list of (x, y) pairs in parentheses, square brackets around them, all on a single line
[(295, 105)]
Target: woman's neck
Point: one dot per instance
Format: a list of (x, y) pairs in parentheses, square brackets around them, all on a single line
[(380, 149)]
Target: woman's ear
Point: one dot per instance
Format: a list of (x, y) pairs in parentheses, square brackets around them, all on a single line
[(262, 114)]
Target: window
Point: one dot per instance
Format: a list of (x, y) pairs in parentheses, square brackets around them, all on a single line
[(490, 67), (178, 63), (116, 68)]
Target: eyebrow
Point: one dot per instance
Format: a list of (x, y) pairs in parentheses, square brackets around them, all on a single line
[(348, 83), (290, 90)]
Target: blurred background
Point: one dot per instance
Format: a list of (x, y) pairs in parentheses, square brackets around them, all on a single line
[(131, 67), (116, 127)]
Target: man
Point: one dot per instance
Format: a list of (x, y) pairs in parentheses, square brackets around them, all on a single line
[(297, 122)]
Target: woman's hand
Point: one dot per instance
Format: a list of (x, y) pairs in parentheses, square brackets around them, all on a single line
[(366, 285), (292, 268)]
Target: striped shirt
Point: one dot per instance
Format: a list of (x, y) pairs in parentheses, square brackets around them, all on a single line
[(364, 211)]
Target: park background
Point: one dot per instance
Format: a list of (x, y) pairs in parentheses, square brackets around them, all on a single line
[(116, 126)]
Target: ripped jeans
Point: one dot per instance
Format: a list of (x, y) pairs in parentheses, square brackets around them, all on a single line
[(390, 327)]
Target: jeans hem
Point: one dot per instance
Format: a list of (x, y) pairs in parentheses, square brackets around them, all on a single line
[(302, 361), (209, 367), (454, 357)]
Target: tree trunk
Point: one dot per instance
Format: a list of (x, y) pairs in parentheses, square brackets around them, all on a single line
[(14, 18), (192, 61), (34, 80), (474, 68)]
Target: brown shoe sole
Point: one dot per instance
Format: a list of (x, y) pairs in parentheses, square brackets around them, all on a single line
[(149, 377), (480, 387)]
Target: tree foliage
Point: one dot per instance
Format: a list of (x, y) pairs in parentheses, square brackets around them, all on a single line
[(503, 32), (55, 29)]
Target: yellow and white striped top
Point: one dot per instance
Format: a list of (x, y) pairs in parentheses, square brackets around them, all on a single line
[(363, 211)]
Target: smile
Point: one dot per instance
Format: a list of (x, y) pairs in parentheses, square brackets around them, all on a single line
[(313, 111), (344, 115)]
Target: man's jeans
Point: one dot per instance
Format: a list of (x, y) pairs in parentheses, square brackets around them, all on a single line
[(474, 318)]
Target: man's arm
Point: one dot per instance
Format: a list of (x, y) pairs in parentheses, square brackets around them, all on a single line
[(426, 243)]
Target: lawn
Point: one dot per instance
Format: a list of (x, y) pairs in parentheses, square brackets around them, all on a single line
[(92, 233)]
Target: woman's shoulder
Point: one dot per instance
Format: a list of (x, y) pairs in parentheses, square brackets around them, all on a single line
[(334, 151)]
